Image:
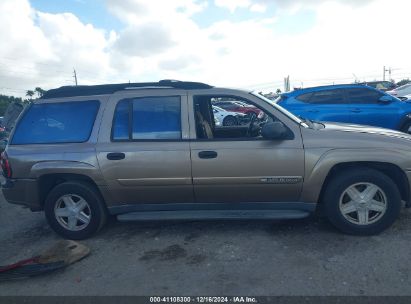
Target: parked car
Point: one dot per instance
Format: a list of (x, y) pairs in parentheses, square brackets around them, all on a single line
[(150, 151), (381, 85), (238, 106), (226, 118), (8, 121), (406, 97), (357, 104), (401, 91), (12, 112)]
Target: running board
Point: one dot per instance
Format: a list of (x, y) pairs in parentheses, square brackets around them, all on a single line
[(213, 215)]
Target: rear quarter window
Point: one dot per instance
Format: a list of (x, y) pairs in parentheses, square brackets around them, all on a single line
[(63, 122), (304, 97)]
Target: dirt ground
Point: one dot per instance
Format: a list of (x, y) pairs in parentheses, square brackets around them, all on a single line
[(305, 257)]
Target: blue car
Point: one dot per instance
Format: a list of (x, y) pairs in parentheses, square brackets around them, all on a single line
[(356, 104)]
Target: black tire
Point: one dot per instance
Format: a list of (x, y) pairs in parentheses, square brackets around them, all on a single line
[(96, 209), (337, 186), (406, 128), (230, 121)]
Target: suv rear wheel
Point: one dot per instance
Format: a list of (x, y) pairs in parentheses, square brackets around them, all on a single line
[(75, 210), (362, 201)]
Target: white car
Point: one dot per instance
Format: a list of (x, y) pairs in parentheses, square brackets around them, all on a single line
[(226, 118), (401, 91), (407, 97)]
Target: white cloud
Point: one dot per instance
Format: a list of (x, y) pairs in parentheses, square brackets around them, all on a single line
[(164, 41), (144, 40), (138, 11), (258, 8), (232, 5)]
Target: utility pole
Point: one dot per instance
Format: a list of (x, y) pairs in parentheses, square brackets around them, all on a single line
[(389, 70), (287, 84), (75, 76)]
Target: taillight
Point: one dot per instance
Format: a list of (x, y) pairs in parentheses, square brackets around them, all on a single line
[(5, 165)]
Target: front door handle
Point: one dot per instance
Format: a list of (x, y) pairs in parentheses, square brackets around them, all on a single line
[(116, 156), (356, 110), (207, 154)]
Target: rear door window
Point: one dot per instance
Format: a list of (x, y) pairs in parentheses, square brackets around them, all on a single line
[(148, 118), (328, 97), (63, 122)]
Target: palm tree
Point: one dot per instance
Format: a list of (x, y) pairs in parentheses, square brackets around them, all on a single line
[(40, 92), (30, 94)]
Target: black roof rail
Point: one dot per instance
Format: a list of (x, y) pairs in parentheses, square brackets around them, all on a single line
[(87, 90)]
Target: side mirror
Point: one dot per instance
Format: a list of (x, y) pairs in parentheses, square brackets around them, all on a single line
[(385, 99), (274, 130)]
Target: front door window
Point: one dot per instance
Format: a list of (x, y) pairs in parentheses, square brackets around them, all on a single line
[(220, 117)]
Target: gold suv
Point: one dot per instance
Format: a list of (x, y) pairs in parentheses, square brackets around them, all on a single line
[(150, 151)]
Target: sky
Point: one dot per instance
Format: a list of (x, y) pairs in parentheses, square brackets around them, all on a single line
[(249, 44)]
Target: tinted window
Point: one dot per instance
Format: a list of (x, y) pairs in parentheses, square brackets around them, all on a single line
[(363, 96), (304, 97), (327, 97), (121, 117), (63, 122), (151, 118)]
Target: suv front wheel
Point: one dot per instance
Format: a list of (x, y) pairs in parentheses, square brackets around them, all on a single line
[(362, 201), (75, 210)]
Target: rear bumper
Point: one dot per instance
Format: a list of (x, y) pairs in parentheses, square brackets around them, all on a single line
[(22, 192)]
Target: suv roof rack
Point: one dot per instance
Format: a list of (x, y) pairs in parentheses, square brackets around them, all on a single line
[(86, 90)]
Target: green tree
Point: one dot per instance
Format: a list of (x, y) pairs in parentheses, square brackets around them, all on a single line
[(30, 94), (40, 92), (402, 82), (5, 101)]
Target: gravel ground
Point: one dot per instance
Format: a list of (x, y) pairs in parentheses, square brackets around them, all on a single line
[(305, 257)]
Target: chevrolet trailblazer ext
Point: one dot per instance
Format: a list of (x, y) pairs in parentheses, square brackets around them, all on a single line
[(150, 151)]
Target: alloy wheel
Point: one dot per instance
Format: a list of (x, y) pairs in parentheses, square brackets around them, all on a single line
[(72, 212), (363, 203)]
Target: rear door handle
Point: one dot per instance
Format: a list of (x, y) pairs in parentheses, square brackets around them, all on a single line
[(313, 111), (356, 110), (207, 154), (116, 156)]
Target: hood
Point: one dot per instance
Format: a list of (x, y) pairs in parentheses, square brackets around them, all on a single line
[(365, 129)]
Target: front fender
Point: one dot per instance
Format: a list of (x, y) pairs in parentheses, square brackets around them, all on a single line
[(318, 170)]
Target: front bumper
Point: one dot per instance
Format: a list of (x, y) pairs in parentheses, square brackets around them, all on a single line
[(22, 192)]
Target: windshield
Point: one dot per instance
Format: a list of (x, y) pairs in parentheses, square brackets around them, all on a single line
[(279, 108)]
